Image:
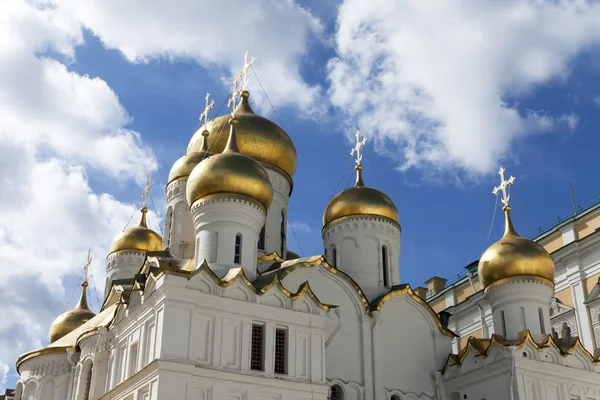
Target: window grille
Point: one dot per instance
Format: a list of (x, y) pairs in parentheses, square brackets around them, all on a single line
[(337, 393), (280, 351), (257, 346)]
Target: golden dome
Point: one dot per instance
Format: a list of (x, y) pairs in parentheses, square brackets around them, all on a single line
[(138, 238), (258, 138), (514, 256), (183, 166), (230, 173), (360, 200), (72, 319)]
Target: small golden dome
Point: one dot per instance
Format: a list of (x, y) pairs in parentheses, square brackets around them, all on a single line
[(72, 319), (258, 138), (184, 165), (514, 256), (138, 238), (230, 173), (360, 200)]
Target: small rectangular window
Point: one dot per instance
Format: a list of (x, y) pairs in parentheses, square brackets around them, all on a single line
[(261, 239), (280, 351), (257, 346), (238, 249)]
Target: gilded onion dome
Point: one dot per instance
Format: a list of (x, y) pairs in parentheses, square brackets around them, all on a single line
[(184, 165), (258, 138), (72, 319), (138, 238), (515, 257), (360, 200), (230, 173)]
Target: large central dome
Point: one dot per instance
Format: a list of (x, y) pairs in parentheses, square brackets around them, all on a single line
[(258, 138)]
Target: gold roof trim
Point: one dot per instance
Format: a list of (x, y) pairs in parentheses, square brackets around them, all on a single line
[(234, 276), (289, 266), (71, 339), (269, 257), (483, 347), (377, 305), (517, 278)]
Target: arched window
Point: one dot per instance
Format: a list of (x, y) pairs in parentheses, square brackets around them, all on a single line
[(503, 323), (384, 262), (261, 239), (169, 227), (523, 320), (283, 230), (334, 257), (337, 393), (541, 316), (395, 397), (238, 249), (88, 382)]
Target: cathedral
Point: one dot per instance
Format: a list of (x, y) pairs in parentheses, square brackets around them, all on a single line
[(218, 308)]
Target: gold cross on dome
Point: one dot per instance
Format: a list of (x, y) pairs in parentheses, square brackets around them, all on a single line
[(207, 108), (359, 145), (240, 82), (503, 185), (146, 191), (87, 265)]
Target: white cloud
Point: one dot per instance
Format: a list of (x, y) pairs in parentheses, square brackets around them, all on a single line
[(214, 33), (299, 227), (434, 79), (56, 126)]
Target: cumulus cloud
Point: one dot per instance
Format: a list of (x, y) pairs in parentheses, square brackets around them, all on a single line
[(57, 126), (437, 82), (212, 33)]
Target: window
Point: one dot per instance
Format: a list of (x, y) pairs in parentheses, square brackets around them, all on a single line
[(169, 228), (334, 257), (88, 384), (337, 393), (133, 358), (280, 351), (238, 249), (283, 228), (256, 350), (261, 239), (396, 397), (503, 323), (542, 326), (384, 261)]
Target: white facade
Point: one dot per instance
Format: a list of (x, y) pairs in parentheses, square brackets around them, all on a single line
[(122, 264), (227, 230), (366, 248)]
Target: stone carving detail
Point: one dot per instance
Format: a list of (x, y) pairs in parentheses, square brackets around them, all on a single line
[(54, 368), (564, 324)]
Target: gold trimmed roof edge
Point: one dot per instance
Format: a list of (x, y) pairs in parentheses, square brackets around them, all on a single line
[(352, 216), (377, 305), (539, 279)]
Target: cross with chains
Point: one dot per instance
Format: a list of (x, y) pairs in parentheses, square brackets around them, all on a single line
[(209, 106), (359, 145), (240, 82), (503, 185), (146, 191)]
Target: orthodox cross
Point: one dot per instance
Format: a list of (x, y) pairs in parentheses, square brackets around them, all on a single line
[(359, 145), (209, 106), (240, 82), (87, 265), (503, 185), (146, 190)]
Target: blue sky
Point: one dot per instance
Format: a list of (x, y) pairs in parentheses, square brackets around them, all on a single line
[(95, 96)]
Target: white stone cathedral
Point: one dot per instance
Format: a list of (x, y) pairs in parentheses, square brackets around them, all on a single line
[(220, 309)]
